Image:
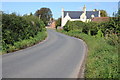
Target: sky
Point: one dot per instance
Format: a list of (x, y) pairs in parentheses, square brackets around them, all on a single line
[(28, 7)]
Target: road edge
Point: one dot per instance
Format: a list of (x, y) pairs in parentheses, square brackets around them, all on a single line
[(81, 71), (82, 67), (82, 64), (40, 42)]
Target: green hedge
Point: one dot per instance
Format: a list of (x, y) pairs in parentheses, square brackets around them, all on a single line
[(17, 28), (91, 28), (102, 58), (26, 42), (103, 40)]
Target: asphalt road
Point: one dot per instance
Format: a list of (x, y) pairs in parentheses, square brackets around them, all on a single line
[(59, 56)]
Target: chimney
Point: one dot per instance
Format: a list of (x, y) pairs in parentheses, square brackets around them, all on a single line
[(62, 17), (62, 12), (84, 9)]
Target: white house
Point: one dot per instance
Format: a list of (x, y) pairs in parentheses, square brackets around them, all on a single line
[(84, 15)]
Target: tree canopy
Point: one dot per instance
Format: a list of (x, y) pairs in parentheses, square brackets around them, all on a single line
[(103, 13), (119, 12), (58, 22), (45, 14)]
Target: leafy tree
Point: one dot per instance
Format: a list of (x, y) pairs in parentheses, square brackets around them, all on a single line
[(95, 10), (58, 22), (103, 13), (45, 14), (31, 14), (119, 12)]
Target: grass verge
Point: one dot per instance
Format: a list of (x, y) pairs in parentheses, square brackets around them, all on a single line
[(102, 58), (26, 43)]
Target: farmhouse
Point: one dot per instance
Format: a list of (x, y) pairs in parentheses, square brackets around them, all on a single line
[(84, 15)]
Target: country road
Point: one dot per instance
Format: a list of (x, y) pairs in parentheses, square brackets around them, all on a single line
[(59, 56)]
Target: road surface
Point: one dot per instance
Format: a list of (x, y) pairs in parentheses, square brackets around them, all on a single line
[(59, 56)]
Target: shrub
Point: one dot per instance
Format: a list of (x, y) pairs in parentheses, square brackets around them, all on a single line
[(103, 40), (24, 43), (72, 25), (102, 58), (58, 22), (99, 33), (16, 28)]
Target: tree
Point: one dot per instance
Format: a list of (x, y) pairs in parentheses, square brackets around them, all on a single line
[(95, 10), (119, 12), (31, 14), (58, 22), (103, 13), (45, 14)]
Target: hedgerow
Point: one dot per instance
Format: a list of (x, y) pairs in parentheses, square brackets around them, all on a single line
[(103, 40), (17, 28), (110, 29)]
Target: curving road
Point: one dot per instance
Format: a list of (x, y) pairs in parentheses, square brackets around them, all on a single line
[(59, 56)]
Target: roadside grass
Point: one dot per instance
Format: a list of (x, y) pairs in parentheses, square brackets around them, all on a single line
[(102, 58), (0, 49), (25, 43)]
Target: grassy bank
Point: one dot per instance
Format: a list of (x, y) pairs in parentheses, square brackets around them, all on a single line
[(26, 43), (102, 58)]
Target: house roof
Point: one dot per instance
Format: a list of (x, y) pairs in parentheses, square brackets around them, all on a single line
[(100, 19), (89, 13), (77, 14), (73, 14)]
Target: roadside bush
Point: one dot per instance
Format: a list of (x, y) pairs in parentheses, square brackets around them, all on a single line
[(58, 22), (17, 28), (92, 28), (99, 33), (72, 25), (112, 25), (25, 43), (102, 58), (103, 40), (113, 39), (109, 30), (88, 28)]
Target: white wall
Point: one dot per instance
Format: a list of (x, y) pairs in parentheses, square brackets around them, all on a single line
[(82, 17)]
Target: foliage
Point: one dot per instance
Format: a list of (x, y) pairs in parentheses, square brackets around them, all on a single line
[(31, 14), (58, 22), (0, 33), (92, 28), (99, 33), (26, 42), (18, 28), (70, 25), (95, 10), (102, 58), (88, 28), (119, 12), (45, 14), (113, 26), (103, 40), (103, 13)]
